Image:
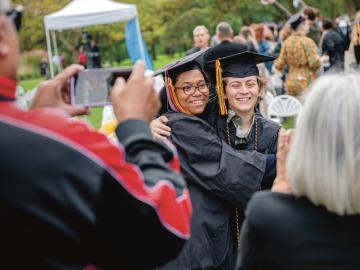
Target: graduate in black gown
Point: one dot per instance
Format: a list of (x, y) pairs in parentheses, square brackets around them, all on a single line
[(219, 177), (239, 88)]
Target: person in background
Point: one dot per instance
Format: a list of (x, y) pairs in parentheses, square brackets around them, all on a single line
[(311, 16), (82, 57), (44, 67), (300, 54), (332, 46), (314, 222), (224, 32), (247, 33), (201, 39), (225, 35), (278, 78), (264, 45), (94, 55), (69, 198), (355, 39), (342, 26)]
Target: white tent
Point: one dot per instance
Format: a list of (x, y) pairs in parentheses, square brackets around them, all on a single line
[(82, 13)]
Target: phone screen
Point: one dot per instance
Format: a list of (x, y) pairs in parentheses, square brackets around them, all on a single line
[(92, 87)]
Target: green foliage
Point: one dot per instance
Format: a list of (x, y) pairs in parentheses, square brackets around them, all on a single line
[(165, 23), (30, 64)]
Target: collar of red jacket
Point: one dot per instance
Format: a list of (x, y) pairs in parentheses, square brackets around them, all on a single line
[(7, 87)]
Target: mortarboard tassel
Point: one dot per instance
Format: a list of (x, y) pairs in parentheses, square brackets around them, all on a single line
[(220, 89)]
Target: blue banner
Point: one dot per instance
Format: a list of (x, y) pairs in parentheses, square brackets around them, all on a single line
[(134, 45)]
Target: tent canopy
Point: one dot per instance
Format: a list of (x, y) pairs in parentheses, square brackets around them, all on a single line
[(82, 13)]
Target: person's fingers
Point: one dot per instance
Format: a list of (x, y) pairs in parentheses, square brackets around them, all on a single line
[(162, 132), (118, 88), (282, 138), (70, 71), (291, 133), (76, 110), (138, 70), (163, 119), (163, 127), (158, 136)]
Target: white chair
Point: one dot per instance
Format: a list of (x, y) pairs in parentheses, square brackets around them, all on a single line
[(284, 106)]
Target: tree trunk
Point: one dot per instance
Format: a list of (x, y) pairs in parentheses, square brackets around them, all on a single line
[(153, 50)]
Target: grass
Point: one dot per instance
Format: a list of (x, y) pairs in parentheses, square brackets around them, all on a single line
[(96, 113), (30, 83)]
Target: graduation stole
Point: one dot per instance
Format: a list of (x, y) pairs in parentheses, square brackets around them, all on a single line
[(171, 96)]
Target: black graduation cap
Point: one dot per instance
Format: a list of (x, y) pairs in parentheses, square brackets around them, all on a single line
[(172, 70), (295, 20), (238, 65), (189, 62)]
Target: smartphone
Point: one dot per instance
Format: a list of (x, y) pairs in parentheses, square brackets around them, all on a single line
[(92, 87)]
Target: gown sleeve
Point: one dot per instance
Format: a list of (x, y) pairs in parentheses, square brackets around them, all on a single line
[(212, 164)]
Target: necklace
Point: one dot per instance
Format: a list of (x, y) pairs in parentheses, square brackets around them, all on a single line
[(237, 221)]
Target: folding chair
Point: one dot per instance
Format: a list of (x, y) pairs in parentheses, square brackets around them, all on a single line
[(284, 106)]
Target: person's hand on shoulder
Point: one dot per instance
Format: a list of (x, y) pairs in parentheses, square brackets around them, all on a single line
[(159, 128), (282, 183), (137, 98), (55, 93)]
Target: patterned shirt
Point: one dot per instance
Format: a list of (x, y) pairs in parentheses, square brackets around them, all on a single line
[(300, 54)]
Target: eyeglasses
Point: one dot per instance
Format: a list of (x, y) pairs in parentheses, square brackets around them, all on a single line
[(191, 89), (15, 14)]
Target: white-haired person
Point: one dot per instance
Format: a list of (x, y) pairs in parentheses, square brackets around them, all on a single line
[(316, 225)]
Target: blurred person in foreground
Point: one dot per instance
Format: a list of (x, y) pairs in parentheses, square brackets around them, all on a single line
[(201, 39), (315, 225), (68, 197)]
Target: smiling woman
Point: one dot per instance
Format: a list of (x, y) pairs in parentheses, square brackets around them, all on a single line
[(192, 91), (219, 178), (239, 91)]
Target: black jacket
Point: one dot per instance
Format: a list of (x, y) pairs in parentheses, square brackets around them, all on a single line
[(282, 232), (333, 46)]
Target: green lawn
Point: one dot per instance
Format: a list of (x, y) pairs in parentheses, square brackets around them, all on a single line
[(96, 113), (31, 83)]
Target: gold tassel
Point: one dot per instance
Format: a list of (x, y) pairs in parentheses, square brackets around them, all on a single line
[(174, 98), (220, 89)]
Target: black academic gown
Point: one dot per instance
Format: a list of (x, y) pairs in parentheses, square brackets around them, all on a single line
[(268, 132), (219, 179)]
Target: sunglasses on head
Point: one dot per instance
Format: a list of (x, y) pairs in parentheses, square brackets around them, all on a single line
[(15, 15)]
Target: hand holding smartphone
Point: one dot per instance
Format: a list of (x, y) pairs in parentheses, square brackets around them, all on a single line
[(92, 87)]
